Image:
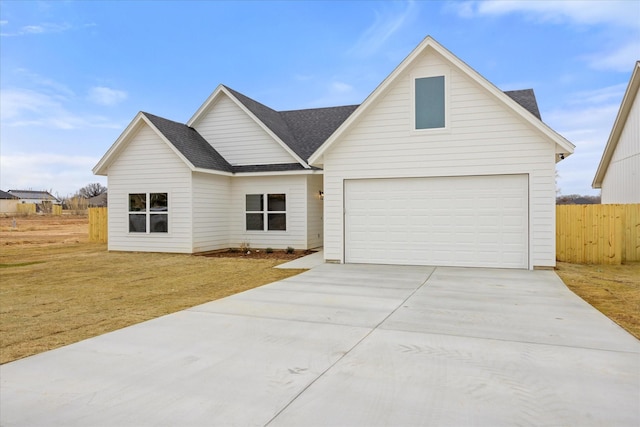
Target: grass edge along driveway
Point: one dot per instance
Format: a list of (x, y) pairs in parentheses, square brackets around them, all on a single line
[(56, 295)]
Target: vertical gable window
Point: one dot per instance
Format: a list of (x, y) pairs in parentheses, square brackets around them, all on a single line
[(148, 213), (429, 98), (271, 215)]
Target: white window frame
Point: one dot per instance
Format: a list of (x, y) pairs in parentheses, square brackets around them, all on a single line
[(265, 213), (147, 212), (447, 113)]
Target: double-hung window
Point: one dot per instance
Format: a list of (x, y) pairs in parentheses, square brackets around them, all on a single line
[(430, 102), (266, 212), (148, 213)]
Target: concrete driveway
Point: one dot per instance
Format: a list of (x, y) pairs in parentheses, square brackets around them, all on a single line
[(348, 345)]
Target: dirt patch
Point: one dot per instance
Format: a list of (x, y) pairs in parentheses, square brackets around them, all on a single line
[(279, 254), (612, 289)]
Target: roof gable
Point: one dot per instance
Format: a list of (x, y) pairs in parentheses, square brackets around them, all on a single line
[(520, 102), (266, 118), (630, 96)]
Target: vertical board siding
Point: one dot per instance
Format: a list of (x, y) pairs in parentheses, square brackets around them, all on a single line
[(238, 137), (315, 206), (598, 234), (149, 165), (210, 212), (295, 188), (98, 225), (483, 137), (621, 183)]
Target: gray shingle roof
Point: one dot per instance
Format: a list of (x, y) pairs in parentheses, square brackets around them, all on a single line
[(5, 195), (304, 131), (33, 194), (191, 144), (527, 99)]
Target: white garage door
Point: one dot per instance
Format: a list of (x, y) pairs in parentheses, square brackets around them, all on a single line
[(478, 221)]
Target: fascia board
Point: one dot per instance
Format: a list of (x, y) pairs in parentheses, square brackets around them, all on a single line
[(205, 106), (565, 145), (116, 147), (618, 125)]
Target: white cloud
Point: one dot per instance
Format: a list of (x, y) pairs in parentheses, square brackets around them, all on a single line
[(4, 22), (63, 175), (106, 96), (43, 28), (387, 22), (620, 59), (25, 107), (623, 12)]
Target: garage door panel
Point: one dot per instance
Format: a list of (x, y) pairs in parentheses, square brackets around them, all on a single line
[(458, 221)]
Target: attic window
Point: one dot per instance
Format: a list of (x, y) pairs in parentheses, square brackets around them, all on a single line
[(429, 98)]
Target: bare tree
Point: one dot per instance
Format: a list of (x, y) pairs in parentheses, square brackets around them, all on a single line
[(92, 190)]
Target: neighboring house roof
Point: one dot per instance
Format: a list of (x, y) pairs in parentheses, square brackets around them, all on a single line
[(513, 101), (4, 195), (31, 194), (618, 126), (98, 201)]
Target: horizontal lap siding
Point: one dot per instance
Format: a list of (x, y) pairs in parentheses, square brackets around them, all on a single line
[(315, 207), (483, 138), (239, 139), (621, 183), (148, 165), (294, 186), (210, 212)]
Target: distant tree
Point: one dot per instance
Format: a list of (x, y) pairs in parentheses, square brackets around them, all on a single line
[(577, 199), (92, 190)]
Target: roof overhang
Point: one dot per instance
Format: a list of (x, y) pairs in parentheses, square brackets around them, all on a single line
[(562, 145), (623, 113)]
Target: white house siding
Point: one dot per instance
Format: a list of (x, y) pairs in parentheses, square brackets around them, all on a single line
[(210, 212), (483, 137), (148, 165), (315, 206), (238, 137), (294, 186), (621, 183)]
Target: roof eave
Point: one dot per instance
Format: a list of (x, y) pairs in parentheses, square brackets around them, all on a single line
[(618, 125)]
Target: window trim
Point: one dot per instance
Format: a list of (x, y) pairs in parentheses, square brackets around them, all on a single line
[(147, 212), (265, 213), (447, 114)]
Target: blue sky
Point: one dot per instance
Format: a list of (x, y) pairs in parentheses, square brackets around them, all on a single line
[(73, 74)]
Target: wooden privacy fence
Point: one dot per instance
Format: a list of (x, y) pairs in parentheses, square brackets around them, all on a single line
[(598, 234), (98, 225)]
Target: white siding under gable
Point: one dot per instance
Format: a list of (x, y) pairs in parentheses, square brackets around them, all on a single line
[(238, 138), (210, 211), (482, 137), (621, 183), (148, 165), (295, 188)]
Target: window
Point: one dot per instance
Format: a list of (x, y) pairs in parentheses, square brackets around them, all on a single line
[(148, 213), (430, 103), (274, 217)]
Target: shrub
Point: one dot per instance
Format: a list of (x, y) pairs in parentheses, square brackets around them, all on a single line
[(290, 250), (269, 250)]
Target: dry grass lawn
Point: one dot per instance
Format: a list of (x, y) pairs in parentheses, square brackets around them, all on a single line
[(57, 289), (612, 289), (54, 294)]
